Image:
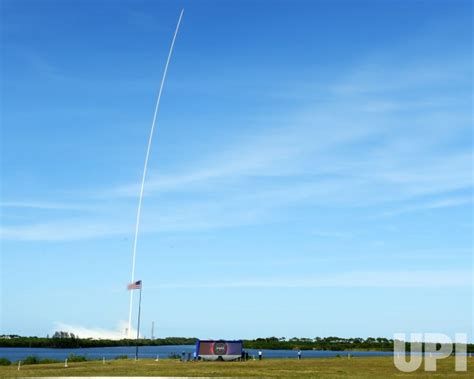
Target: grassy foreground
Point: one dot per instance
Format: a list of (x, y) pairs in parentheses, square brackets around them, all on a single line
[(373, 367)]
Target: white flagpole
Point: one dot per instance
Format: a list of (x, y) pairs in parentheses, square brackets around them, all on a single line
[(145, 169), (138, 325)]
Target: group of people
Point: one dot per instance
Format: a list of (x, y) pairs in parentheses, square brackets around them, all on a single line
[(183, 356), (245, 355)]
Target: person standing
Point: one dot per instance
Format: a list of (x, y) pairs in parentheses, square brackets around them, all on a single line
[(299, 355), (260, 355)]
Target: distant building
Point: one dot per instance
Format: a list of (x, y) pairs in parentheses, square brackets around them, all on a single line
[(9, 336)]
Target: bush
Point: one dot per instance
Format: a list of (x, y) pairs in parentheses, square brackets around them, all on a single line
[(5, 362), (76, 358), (31, 360), (48, 360), (121, 357)]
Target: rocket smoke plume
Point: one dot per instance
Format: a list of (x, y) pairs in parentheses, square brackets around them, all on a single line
[(145, 168)]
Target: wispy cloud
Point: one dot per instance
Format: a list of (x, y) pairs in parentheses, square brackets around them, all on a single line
[(63, 230), (377, 142), (362, 147), (373, 279), (42, 205), (175, 217), (447, 202)]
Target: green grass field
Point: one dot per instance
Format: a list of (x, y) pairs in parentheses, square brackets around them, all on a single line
[(379, 367)]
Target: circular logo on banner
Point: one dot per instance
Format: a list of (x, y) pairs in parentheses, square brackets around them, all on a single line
[(220, 348)]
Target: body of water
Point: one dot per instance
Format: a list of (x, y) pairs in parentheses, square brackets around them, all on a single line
[(19, 353)]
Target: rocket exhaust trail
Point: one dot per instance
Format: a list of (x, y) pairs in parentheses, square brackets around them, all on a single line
[(145, 168)]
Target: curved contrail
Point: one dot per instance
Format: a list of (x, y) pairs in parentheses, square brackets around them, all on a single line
[(145, 167)]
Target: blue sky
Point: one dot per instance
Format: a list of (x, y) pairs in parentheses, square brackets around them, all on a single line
[(310, 174)]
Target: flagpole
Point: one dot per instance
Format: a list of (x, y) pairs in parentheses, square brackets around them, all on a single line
[(138, 326)]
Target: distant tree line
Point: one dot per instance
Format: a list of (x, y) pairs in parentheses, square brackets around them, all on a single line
[(329, 343), (321, 343), (63, 340)]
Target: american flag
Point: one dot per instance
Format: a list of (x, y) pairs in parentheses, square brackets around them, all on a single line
[(135, 285)]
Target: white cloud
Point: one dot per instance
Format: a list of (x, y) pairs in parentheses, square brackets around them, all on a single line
[(42, 205), (97, 333), (434, 204), (373, 279), (162, 218), (349, 150), (62, 230)]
